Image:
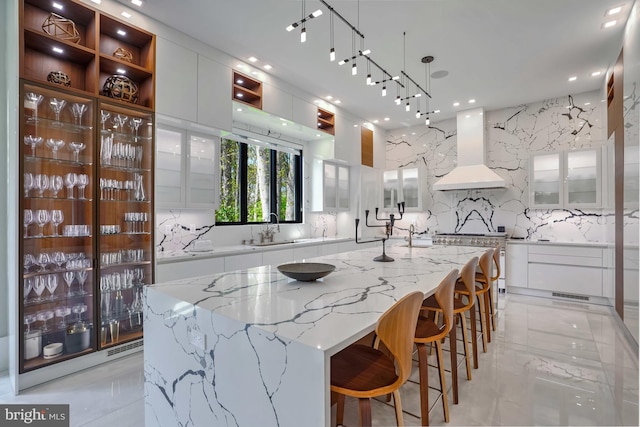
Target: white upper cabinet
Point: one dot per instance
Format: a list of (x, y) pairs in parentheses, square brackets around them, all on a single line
[(203, 168), (304, 113), (347, 140), (170, 167), (176, 80), (331, 183), (571, 179), (214, 94), (277, 102), (402, 185)]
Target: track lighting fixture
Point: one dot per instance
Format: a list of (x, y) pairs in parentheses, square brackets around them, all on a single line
[(332, 54), (354, 69), (384, 91), (303, 33)]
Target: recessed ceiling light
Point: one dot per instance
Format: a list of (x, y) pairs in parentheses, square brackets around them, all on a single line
[(609, 24), (97, 1), (596, 73), (436, 111), (137, 2), (614, 10), (239, 81), (121, 71), (121, 32), (386, 119), (255, 73), (57, 50), (252, 59), (126, 15), (329, 97), (57, 6), (355, 126), (267, 67), (472, 101), (413, 133), (456, 104), (375, 121), (573, 78), (284, 124), (238, 109), (587, 103), (238, 95), (467, 116), (318, 135), (337, 101)]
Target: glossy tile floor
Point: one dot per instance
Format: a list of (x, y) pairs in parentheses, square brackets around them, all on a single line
[(550, 363)]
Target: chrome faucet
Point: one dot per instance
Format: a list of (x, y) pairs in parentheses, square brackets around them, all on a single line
[(412, 229), (267, 234), (277, 220)]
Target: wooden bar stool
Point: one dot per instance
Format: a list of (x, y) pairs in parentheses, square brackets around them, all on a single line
[(428, 332), (460, 308), (480, 278), (364, 372)]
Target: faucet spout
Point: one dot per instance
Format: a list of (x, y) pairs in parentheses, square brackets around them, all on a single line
[(277, 220)]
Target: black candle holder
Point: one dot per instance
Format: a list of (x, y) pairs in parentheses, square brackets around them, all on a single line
[(388, 225)]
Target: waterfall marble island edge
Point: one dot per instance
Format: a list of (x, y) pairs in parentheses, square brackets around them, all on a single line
[(252, 347)]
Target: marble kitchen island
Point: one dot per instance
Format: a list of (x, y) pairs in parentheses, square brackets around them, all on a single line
[(252, 347)]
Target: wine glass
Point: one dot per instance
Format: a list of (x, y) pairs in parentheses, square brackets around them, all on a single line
[(39, 287), (28, 286), (33, 141), (78, 110), (104, 116), (42, 183), (82, 278), (28, 220), (57, 105), (42, 217), (29, 183), (52, 284), (70, 182), (56, 219), (54, 145), (119, 122), (82, 180), (135, 123), (76, 147), (63, 312), (58, 258), (42, 260), (44, 316), (79, 309), (28, 261), (68, 277), (33, 100), (55, 184), (29, 319)]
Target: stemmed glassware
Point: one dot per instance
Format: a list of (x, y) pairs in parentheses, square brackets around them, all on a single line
[(33, 100), (63, 312), (82, 180), (28, 286), (135, 123), (39, 287), (68, 277), (57, 105), (82, 278), (104, 116), (79, 309), (27, 220), (42, 260), (76, 147), (55, 184), (119, 121), (54, 145), (42, 217), (44, 316), (56, 219), (42, 183), (28, 261), (78, 110), (70, 182), (33, 141), (28, 183), (59, 258), (52, 284), (29, 319)]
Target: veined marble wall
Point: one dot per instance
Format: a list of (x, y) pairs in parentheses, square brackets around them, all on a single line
[(513, 136)]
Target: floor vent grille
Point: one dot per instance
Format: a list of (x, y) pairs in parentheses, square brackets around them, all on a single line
[(578, 297), (124, 348)]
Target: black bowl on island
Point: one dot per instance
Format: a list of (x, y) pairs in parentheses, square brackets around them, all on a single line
[(306, 271)]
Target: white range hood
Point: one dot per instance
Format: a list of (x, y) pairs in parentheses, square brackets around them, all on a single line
[(471, 172)]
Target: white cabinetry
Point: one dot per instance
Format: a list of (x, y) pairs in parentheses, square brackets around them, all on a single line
[(277, 102), (277, 257), (176, 80), (347, 140), (331, 183), (214, 94), (517, 262), (242, 261), (305, 113), (402, 185), (170, 166), (191, 268)]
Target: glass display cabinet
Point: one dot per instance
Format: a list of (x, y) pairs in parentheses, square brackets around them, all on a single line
[(57, 226)]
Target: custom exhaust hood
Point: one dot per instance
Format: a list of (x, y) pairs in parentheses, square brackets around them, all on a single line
[(471, 173)]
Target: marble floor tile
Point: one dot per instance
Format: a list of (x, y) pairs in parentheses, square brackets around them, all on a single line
[(536, 372)]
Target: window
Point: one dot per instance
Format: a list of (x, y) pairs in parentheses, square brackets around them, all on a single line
[(257, 180)]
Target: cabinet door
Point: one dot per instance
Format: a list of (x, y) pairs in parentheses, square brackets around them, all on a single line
[(126, 221), (57, 212), (170, 168), (277, 102), (177, 80), (330, 186), (390, 189), (203, 171), (546, 186), (347, 140), (214, 94), (583, 172), (410, 187), (343, 188), (305, 113)]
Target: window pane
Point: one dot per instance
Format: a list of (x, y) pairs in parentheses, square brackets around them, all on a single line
[(286, 184), (258, 183), (229, 210)]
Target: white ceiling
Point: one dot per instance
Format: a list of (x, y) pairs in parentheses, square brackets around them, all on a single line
[(499, 52)]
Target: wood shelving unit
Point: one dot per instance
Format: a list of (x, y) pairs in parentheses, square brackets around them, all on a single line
[(247, 90), (326, 121)]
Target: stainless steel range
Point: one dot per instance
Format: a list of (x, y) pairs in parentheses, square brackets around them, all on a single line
[(472, 239)]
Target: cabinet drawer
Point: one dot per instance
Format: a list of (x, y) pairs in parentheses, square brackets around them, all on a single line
[(564, 278), (566, 260), (577, 251)]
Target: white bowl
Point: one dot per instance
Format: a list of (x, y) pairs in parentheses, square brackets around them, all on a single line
[(52, 350)]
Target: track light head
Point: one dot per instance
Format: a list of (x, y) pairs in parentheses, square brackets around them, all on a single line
[(332, 54), (384, 91), (354, 69), (303, 35), (292, 26)]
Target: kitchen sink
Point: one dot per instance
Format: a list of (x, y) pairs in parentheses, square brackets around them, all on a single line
[(280, 242)]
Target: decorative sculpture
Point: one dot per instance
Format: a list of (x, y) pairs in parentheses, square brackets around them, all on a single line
[(59, 78), (388, 226), (123, 54), (120, 87), (61, 28)]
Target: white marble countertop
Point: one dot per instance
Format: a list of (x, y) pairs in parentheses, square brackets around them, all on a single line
[(555, 242), (329, 313), (166, 257)]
